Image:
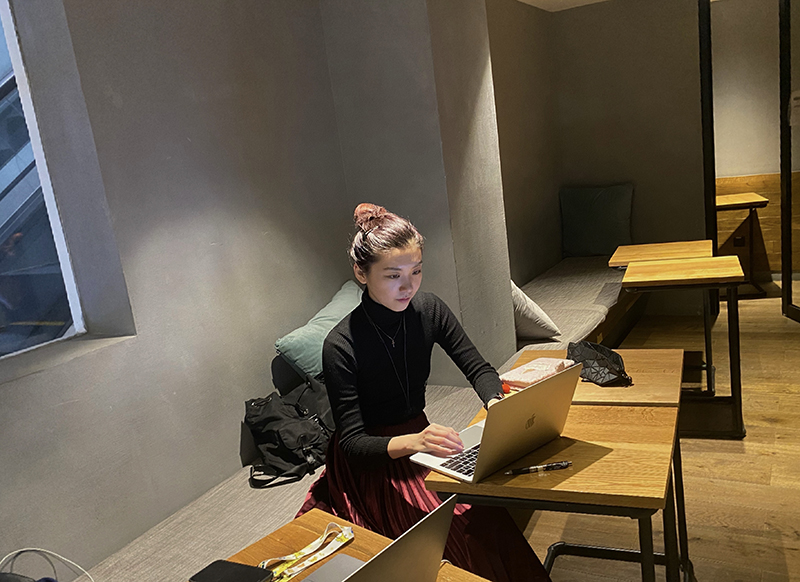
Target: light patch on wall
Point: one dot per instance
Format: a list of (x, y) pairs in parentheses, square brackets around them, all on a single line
[(558, 5)]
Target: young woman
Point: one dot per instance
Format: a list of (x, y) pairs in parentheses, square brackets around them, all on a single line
[(376, 363)]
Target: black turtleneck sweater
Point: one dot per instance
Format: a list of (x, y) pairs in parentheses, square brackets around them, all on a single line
[(373, 383)]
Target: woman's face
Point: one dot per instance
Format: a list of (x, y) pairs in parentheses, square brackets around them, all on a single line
[(394, 278)]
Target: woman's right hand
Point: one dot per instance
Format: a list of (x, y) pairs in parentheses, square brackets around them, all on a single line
[(436, 439)]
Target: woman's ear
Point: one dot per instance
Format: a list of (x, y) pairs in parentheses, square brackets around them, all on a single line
[(360, 275)]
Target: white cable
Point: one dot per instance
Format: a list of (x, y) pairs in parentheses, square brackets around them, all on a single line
[(13, 561), (44, 554)]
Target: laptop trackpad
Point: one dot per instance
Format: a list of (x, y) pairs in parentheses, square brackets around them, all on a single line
[(337, 569)]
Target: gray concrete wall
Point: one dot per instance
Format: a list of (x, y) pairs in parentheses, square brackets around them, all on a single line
[(465, 94), (629, 109), (234, 141), (523, 69), (597, 95), (385, 91), (216, 137), (381, 74), (746, 87)]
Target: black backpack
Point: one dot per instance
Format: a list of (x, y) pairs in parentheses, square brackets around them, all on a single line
[(291, 433)]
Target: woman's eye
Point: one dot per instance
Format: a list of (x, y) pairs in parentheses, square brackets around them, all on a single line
[(394, 276), (418, 271)]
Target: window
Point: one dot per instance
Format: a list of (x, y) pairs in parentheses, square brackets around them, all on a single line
[(34, 307), (76, 250)]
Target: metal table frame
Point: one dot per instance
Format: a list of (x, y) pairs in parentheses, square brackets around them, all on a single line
[(676, 543), (704, 414)]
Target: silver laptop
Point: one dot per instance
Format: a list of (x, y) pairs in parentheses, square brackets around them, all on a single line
[(416, 555), (515, 426)]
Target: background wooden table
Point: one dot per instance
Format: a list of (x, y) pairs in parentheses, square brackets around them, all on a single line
[(704, 415), (689, 249), (305, 529), (744, 200), (699, 272), (656, 378)]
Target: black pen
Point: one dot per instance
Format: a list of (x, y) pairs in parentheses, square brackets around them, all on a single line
[(540, 468)]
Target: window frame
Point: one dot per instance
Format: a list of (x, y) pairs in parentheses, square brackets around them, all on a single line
[(46, 71)]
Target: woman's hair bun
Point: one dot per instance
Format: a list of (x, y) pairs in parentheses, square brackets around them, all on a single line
[(379, 231), (367, 214)]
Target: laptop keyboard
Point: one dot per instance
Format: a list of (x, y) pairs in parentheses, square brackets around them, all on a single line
[(463, 462)]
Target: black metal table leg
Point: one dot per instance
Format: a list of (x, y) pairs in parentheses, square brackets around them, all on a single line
[(705, 415), (709, 356), (736, 362), (671, 536), (646, 549), (646, 554), (680, 504)]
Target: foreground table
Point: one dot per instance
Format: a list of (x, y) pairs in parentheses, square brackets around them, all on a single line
[(656, 378), (703, 415), (622, 465), (302, 531)]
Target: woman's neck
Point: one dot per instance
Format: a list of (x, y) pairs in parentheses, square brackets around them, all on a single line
[(380, 314)]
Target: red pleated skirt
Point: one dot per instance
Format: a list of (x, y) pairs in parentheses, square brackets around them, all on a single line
[(390, 498)]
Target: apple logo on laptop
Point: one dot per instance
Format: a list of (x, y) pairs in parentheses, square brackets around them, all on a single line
[(530, 421)]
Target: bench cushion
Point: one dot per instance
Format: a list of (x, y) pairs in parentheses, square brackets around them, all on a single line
[(577, 294), (302, 348), (530, 320), (576, 283), (595, 221)]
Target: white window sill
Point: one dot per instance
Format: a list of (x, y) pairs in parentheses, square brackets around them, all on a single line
[(51, 354)]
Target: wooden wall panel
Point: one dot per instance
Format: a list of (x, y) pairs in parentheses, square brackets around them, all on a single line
[(767, 233)]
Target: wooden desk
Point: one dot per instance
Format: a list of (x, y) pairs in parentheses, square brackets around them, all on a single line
[(743, 201), (657, 382), (656, 378), (699, 272), (622, 460), (302, 531), (703, 415), (690, 249), (749, 201), (621, 456)]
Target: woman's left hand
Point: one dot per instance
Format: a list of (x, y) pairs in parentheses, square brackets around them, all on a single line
[(493, 401)]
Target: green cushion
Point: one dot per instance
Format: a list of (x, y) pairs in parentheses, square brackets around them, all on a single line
[(302, 348), (595, 221)]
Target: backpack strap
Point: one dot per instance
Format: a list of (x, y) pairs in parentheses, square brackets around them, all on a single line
[(260, 477)]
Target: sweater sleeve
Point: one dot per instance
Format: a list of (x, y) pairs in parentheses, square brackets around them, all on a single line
[(454, 340), (339, 367)]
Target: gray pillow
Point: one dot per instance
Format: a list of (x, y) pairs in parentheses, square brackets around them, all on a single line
[(530, 320), (302, 348), (595, 221)]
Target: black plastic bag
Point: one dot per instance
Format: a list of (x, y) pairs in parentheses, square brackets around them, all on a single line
[(601, 365)]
